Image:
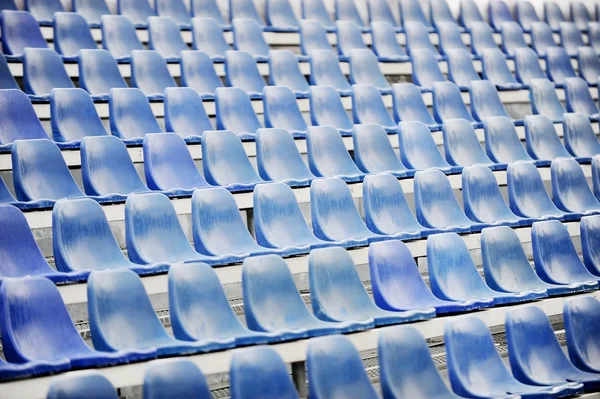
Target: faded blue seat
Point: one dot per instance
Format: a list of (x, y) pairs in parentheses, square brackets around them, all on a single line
[(199, 308), (278, 158), (542, 38), (570, 189), (207, 36), (99, 72), (7, 80), (436, 206), (279, 13), (448, 103), (40, 172), (207, 9), (408, 105), (150, 74), (588, 64), (137, 11), (368, 107), (364, 69), (73, 115), (328, 156), (579, 99), (315, 9), (450, 36), (119, 37), (313, 36), (418, 150), (225, 161), (482, 37), (502, 144), (185, 113), (461, 145), (349, 36), (327, 109), (536, 357), (460, 68), (248, 37), (107, 168), (485, 101), (541, 138), (580, 139), (589, 234), (373, 152), (594, 35), (553, 15), (168, 164), (499, 14), (177, 379), (398, 285), (43, 10), (544, 100), (525, 15), (71, 34), (384, 42), (379, 11), (345, 10), (122, 316), (469, 13), (512, 35), (164, 36), (260, 372), (425, 69), (91, 10), (558, 65), (411, 11), (581, 327), (439, 13), (334, 214), (417, 37), (580, 15), (325, 357), (130, 114), (470, 349), (235, 112), (89, 384), (173, 9), (20, 121), (43, 70), (19, 30), (239, 9), (555, 257), (281, 110), (197, 72), (241, 71), (570, 38), (495, 69), (284, 70), (527, 66), (325, 70)]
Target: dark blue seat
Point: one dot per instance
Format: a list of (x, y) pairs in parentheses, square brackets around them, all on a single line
[(248, 37), (281, 110), (328, 156), (150, 74), (450, 37), (241, 71), (235, 112), (544, 100), (19, 30), (570, 189), (558, 65), (197, 72), (119, 37), (88, 384), (73, 115), (207, 36), (43, 10), (137, 11), (368, 107), (448, 103), (579, 99), (570, 38), (460, 68), (8, 5), (260, 373), (485, 101), (512, 35), (541, 138), (177, 379), (184, 112), (99, 72), (581, 327), (43, 70), (580, 139), (327, 109), (542, 38), (284, 70), (379, 11), (482, 37), (461, 144), (580, 15), (349, 36), (589, 231), (279, 13), (71, 34), (173, 9), (499, 14), (20, 122), (411, 11), (440, 13), (7, 80), (345, 10), (417, 37), (207, 9), (325, 71), (425, 69), (164, 36), (364, 69), (325, 357), (588, 64), (408, 105), (469, 13), (313, 36), (91, 10), (384, 42), (495, 69), (527, 66), (373, 152), (502, 143), (525, 15), (418, 150), (553, 15), (241, 9), (130, 114)]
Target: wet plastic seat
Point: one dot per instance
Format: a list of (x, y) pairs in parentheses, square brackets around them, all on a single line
[(137, 11), (580, 15), (448, 103), (91, 10), (278, 158), (408, 104), (450, 37), (580, 139), (281, 110), (541, 138), (496, 70), (164, 36), (248, 37), (349, 36), (558, 65), (589, 231), (570, 38), (368, 107), (20, 121), (499, 14), (279, 13), (542, 38), (384, 42), (411, 11), (502, 143), (284, 70), (425, 69), (461, 144), (242, 9), (119, 36), (525, 15), (87, 384), (512, 35), (581, 327), (43, 70), (327, 109), (373, 152), (379, 11), (482, 37), (149, 73), (460, 68), (417, 149), (553, 15), (130, 114), (527, 66), (325, 70), (364, 69), (570, 189), (71, 34), (588, 64), (328, 156), (197, 72), (173, 9), (73, 115), (177, 379), (417, 38), (99, 72), (544, 100), (207, 36), (185, 113), (485, 101), (579, 99), (241, 71), (19, 30), (313, 36), (7, 80), (235, 112), (469, 13)]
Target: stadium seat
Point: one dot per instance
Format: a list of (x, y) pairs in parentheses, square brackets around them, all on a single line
[(313, 36), (20, 122), (408, 104), (499, 14), (541, 138), (137, 11), (281, 110), (579, 137), (278, 220), (225, 162), (398, 285), (278, 159), (197, 72), (526, 15), (570, 189), (558, 65), (242, 9), (99, 72), (173, 9), (73, 115), (43, 70), (328, 156), (8, 5), (502, 144), (485, 101), (450, 37), (248, 36), (448, 103), (164, 36), (512, 35), (130, 114), (384, 42), (425, 69), (279, 13), (579, 15), (241, 71), (91, 10), (469, 14), (373, 152), (364, 69), (71, 34), (326, 108), (527, 66), (529, 335), (440, 13), (349, 36), (168, 164), (581, 327), (7, 80), (260, 373), (482, 37), (185, 113), (411, 11), (588, 64), (541, 38), (589, 229), (544, 100), (495, 69), (88, 385), (207, 9), (19, 30), (570, 38), (284, 70), (207, 36), (325, 358), (460, 68), (325, 70), (553, 15), (379, 11), (579, 99), (177, 379), (417, 149), (368, 107), (235, 112), (461, 145), (119, 37), (150, 74), (594, 35), (417, 37), (43, 10)]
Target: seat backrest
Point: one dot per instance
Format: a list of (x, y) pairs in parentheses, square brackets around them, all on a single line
[(525, 14), (326, 108), (594, 35), (408, 104), (345, 10), (595, 175), (417, 37), (384, 42), (482, 198), (241, 71), (197, 72), (425, 69), (364, 69), (417, 148), (544, 100), (284, 70), (327, 154), (149, 72), (349, 36), (239, 9), (502, 142), (234, 111), (541, 138), (542, 38), (20, 121), (7, 80), (248, 36), (164, 35), (99, 72), (460, 67), (280, 13), (43, 10), (570, 37), (137, 11), (495, 68), (570, 189), (89, 384), (448, 103), (485, 101), (368, 106), (450, 37), (91, 10), (379, 11), (580, 139), (19, 30), (71, 34), (461, 145), (469, 13), (315, 9), (439, 13), (482, 37), (411, 11), (281, 109), (184, 112), (73, 115), (580, 15), (499, 14), (373, 152), (207, 36), (278, 158), (130, 114), (207, 9), (313, 36), (581, 326), (325, 70), (578, 97), (512, 36), (527, 195), (174, 9), (527, 66), (176, 379), (43, 70), (118, 36), (558, 65), (588, 64), (553, 15)]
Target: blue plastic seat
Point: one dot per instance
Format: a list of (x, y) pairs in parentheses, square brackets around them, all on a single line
[(327, 109), (570, 189), (589, 231), (425, 69), (99, 72), (541, 138), (499, 14), (119, 37), (460, 68), (91, 10), (579, 99), (417, 37), (384, 42), (436, 206), (529, 336), (177, 379), (165, 37), (349, 36), (417, 148), (368, 107), (379, 11), (496, 70), (89, 384), (476, 369), (184, 112), (19, 30), (43, 70), (315, 9), (40, 172), (411, 11), (281, 110), (242, 9), (71, 34), (199, 308), (207, 36), (408, 104), (544, 100), (279, 13), (570, 38), (482, 37), (581, 327), (7, 80), (335, 370), (588, 64), (73, 115), (512, 36), (469, 13), (278, 220), (450, 37), (373, 152), (149, 73), (278, 159), (502, 143), (325, 70), (260, 373), (553, 15), (440, 13), (485, 101), (594, 35), (235, 112), (580, 15), (448, 103), (542, 38), (345, 10), (8, 5), (525, 15), (225, 161), (398, 376), (197, 72), (173, 9), (241, 71), (248, 36), (461, 144), (207, 9), (168, 164), (364, 69), (527, 66), (284, 70), (130, 114), (43, 10), (137, 11), (313, 36), (580, 139), (558, 65), (20, 122), (153, 232), (328, 156)]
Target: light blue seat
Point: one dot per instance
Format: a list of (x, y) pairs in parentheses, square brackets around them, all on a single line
[(207, 36), (589, 231), (345, 10), (207, 9), (364, 69), (530, 336), (185, 113), (588, 64), (542, 140), (168, 165), (525, 15), (570, 189), (542, 38), (99, 72), (579, 99), (553, 15), (418, 150), (558, 65), (349, 36), (198, 73), (512, 35), (373, 152), (19, 30), (119, 37), (368, 107), (235, 112), (178, 379), (499, 14), (594, 35), (460, 68), (281, 110), (495, 69), (448, 103), (260, 372), (164, 35), (325, 71), (461, 145), (408, 105), (502, 144), (241, 9), (279, 13), (173, 9), (248, 37), (313, 36), (20, 122), (153, 232), (469, 14), (73, 115), (325, 358), (150, 74), (544, 100), (417, 37), (440, 13), (71, 34), (225, 161), (107, 168), (384, 42), (425, 69), (450, 36), (137, 11), (326, 109), (410, 11), (43, 70), (130, 114), (485, 101), (570, 38), (581, 327), (379, 11), (328, 156), (527, 66), (315, 9), (284, 70), (91, 10), (7, 80), (580, 15), (580, 139), (482, 37), (241, 71), (90, 384)]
